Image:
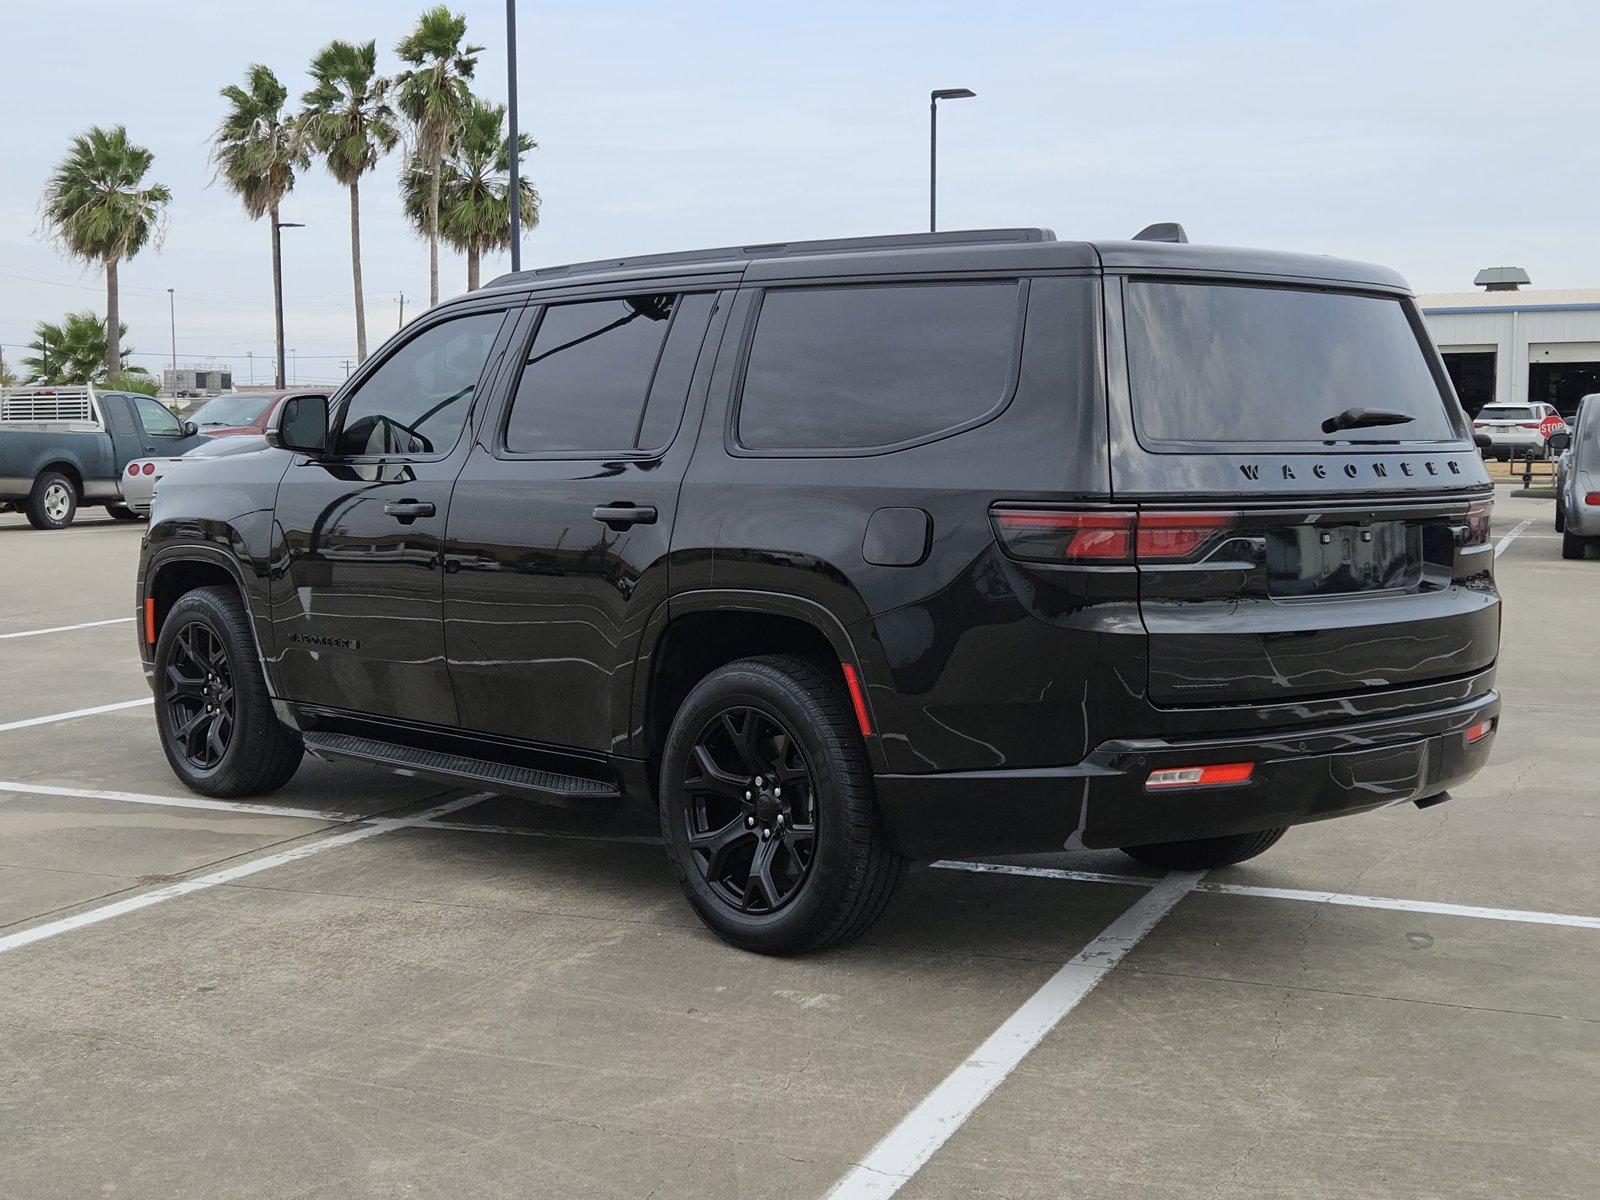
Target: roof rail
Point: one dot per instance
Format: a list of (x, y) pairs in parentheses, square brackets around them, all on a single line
[(741, 254)]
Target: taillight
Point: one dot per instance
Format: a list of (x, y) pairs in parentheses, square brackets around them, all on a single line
[(1480, 424), (1213, 775), (133, 468), (1527, 424), (1476, 733), (149, 468), (1593, 499), (1054, 535), (1478, 521)]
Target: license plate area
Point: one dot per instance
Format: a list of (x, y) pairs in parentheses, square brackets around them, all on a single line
[(1338, 560)]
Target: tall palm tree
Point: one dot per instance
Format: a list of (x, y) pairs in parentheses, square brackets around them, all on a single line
[(350, 121), (101, 210), (73, 351), (257, 149), (474, 188), (434, 96)]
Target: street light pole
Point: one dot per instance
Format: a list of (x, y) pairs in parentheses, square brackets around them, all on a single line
[(172, 312), (277, 291), (515, 156), (934, 97)]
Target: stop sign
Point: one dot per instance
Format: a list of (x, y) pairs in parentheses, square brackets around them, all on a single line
[(1551, 425)]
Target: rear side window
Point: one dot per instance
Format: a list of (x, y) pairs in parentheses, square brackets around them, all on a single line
[(857, 368), (607, 375), (1222, 363)]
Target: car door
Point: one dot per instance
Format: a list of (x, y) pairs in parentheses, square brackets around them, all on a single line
[(557, 543), (356, 594), (164, 434)]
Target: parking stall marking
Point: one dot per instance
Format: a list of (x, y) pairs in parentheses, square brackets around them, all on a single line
[(239, 806), (65, 628), (901, 1154), (1526, 916), (117, 908), (75, 714), (1500, 546)]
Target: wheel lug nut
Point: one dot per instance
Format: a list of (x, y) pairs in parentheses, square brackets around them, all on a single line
[(759, 781), (749, 795), (780, 819), (776, 792), (749, 822), (765, 834)]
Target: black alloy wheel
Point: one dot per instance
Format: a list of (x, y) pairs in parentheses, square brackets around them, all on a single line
[(198, 688), (751, 816)]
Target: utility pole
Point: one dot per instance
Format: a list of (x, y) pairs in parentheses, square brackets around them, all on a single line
[(347, 368), (250, 356), (402, 323), (172, 312), (515, 153)]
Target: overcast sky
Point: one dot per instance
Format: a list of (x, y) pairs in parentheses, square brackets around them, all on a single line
[(1437, 138)]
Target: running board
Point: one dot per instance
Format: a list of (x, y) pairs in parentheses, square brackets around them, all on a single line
[(457, 768)]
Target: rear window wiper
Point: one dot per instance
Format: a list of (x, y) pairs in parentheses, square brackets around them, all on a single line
[(1365, 418)]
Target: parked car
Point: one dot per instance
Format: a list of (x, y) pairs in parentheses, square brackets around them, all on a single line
[(1519, 430), (838, 553), (64, 446), (1578, 482), (138, 480), (238, 412)]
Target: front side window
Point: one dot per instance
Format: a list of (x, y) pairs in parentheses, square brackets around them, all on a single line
[(594, 364), (418, 400), (874, 365), (1224, 363), (156, 419)]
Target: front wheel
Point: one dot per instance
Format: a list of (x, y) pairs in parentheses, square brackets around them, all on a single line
[(1201, 854), (767, 808), (217, 726)]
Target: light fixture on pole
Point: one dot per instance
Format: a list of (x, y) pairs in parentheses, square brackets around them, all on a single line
[(277, 290), (172, 313), (515, 148), (934, 97)]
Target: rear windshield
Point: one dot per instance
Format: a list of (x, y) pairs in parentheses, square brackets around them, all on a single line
[(1225, 363), (1505, 412)]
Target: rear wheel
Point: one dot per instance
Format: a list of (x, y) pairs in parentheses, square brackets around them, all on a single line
[(767, 808), (1572, 546), (217, 726), (53, 502), (1201, 854)]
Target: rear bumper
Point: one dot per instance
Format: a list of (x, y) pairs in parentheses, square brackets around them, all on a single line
[(1306, 775)]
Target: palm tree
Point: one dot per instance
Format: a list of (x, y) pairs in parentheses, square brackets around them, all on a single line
[(474, 188), (257, 149), (434, 96), (101, 209), (351, 123), (73, 351)]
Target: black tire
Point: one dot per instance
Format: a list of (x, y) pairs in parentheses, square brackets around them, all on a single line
[(1561, 516), (1572, 546), (258, 753), (53, 502), (122, 512), (851, 872), (1202, 854)]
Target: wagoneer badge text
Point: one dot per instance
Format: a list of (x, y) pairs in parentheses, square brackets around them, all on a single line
[(1404, 468)]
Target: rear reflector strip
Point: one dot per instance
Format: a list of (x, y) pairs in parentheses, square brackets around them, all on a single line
[(858, 700), (150, 620), (1211, 775), (1476, 733)]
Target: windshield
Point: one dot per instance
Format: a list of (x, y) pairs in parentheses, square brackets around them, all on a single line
[(1505, 412), (231, 410), (1225, 363)]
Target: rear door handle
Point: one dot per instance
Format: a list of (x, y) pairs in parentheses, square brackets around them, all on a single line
[(620, 516), (409, 510)]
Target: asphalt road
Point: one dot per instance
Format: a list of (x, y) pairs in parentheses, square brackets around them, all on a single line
[(465, 997)]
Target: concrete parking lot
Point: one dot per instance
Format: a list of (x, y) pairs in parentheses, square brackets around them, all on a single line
[(370, 986)]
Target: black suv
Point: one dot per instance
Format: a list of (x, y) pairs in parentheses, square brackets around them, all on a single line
[(837, 553)]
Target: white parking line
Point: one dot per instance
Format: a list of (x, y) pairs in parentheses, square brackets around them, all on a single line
[(1500, 546), (911, 1143), (75, 713), (266, 810), (1527, 916), (65, 628), (117, 908)]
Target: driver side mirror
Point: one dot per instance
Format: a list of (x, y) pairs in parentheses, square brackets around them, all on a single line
[(1482, 441), (1559, 441), (190, 429), (302, 425)]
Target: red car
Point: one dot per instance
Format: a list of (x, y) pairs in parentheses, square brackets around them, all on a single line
[(240, 412)]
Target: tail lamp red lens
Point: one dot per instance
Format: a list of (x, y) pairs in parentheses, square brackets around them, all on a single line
[(133, 468), (1476, 733), (149, 468), (1061, 535), (1592, 499), (1210, 775), (1478, 513)]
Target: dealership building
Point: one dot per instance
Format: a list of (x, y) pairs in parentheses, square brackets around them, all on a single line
[(1513, 344)]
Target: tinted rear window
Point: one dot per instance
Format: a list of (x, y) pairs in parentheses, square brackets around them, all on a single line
[(1220, 363), (1505, 412), (874, 365)]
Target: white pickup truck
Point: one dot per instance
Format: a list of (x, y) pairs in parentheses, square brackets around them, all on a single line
[(65, 446)]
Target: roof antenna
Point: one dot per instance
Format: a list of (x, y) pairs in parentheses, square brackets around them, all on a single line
[(1162, 231)]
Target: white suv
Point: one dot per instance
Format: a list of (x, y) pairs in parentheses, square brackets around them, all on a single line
[(1518, 430)]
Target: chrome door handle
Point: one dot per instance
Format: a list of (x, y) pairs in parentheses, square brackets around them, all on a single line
[(620, 516), (409, 510)]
